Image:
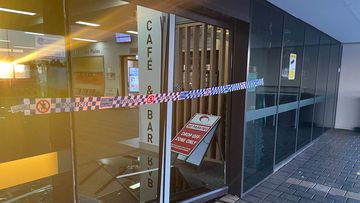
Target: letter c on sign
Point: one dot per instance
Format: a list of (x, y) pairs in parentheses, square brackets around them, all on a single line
[(149, 25)]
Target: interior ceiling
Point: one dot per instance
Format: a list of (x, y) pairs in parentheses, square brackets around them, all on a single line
[(338, 18), (112, 15)]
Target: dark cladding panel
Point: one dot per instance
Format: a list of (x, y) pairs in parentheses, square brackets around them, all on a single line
[(239, 9)]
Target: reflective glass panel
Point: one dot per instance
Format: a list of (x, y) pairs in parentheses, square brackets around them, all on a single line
[(265, 54), (115, 51), (290, 77), (332, 84), (308, 81), (321, 84), (36, 158)]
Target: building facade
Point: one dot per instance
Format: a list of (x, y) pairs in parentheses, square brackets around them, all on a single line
[(72, 76)]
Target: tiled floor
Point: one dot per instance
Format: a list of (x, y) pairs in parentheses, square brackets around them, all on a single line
[(327, 171)]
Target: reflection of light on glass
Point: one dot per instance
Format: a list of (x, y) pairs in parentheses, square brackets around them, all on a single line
[(87, 23), (34, 33), (19, 68), (133, 187), (83, 39), (4, 40), (17, 11), (21, 71), (6, 70), (132, 32)]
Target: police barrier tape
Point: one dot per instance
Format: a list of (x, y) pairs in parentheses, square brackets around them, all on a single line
[(60, 105)]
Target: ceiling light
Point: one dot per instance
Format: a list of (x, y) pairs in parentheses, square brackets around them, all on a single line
[(24, 47), (18, 51), (132, 32), (34, 33), (17, 11), (4, 40), (5, 50), (133, 187), (87, 23), (85, 40)]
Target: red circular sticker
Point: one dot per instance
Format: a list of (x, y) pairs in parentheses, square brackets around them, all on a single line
[(43, 106), (150, 99)]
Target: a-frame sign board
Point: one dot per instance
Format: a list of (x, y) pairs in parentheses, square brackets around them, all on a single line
[(193, 140)]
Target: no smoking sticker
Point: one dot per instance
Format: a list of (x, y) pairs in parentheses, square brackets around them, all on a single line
[(42, 106)]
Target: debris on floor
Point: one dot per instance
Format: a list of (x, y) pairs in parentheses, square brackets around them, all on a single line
[(227, 199)]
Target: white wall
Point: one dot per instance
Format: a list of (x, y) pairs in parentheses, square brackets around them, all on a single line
[(348, 107), (111, 51)]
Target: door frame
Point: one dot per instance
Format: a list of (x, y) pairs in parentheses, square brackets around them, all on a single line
[(238, 67)]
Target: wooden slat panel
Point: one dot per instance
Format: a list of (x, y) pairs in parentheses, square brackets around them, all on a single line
[(227, 59), (203, 65), (189, 25), (213, 66), (212, 82), (187, 63), (195, 79), (220, 103), (179, 80)]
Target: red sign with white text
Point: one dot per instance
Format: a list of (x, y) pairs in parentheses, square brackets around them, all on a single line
[(193, 133)]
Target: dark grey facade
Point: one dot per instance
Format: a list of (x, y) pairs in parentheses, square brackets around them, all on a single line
[(297, 103)]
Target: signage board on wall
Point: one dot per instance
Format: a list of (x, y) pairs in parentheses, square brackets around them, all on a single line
[(292, 67), (149, 43), (149, 77), (53, 46)]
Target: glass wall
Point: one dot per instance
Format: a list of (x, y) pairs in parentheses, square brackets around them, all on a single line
[(117, 149), (321, 85), (332, 84), (290, 76), (308, 82), (52, 85), (297, 103), (33, 64), (265, 57)]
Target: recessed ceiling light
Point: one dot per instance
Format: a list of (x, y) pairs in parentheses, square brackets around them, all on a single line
[(85, 40), (132, 32), (17, 11), (87, 23), (34, 33), (5, 50), (18, 51), (24, 47), (135, 186), (4, 40)]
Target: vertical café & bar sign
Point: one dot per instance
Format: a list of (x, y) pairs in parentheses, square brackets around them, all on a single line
[(149, 43)]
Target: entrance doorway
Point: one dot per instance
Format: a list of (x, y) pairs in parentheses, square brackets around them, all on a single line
[(201, 61)]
